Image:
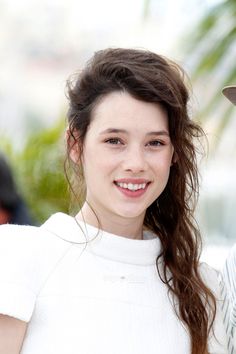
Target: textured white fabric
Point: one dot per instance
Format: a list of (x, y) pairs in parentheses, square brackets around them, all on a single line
[(228, 284), (90, 292)]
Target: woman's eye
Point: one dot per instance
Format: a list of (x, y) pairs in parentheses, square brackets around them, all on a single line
[(113, 141), (155, 143)]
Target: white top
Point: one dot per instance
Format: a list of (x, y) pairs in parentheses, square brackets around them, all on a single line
[(103, 296), (229, 303)]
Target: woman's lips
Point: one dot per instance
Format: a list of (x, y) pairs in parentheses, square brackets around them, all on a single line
[(131, 189)]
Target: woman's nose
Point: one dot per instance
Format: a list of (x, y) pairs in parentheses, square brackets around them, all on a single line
[(134, 160)]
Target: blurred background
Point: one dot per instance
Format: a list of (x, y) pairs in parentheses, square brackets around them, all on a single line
[(43, 42)]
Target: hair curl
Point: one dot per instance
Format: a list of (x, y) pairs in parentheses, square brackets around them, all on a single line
[(152, 78)]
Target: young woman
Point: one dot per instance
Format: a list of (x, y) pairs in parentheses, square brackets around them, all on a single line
[(123, 275)]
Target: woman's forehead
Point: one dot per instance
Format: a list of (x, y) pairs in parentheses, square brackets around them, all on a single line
[(119, 109)]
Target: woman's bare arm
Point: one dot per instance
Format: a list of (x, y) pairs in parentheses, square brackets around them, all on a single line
[(12, 332)]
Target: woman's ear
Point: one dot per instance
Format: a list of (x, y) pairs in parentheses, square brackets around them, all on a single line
[(73, 146), (174, 158)]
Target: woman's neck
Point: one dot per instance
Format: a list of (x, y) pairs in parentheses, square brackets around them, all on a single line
[(115, 224)]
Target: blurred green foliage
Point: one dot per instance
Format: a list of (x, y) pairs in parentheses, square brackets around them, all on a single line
[(219, 20), (209, 48), (39, 171), (211, 51)]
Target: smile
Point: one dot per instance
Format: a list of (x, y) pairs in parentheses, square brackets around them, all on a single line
[(131, 186), (130, 189)]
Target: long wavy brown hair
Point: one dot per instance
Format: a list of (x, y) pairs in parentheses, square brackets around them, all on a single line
[(152, 78)]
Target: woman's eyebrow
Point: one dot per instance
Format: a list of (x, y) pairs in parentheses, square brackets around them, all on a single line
[(116, 130), (159, 132), (113, 130)]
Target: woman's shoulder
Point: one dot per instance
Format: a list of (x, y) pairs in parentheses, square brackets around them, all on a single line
[(25, 237), (210, 276), (231, 259), (28, 254), (10, 232), (18, 238), (24, 245), (207, 270)]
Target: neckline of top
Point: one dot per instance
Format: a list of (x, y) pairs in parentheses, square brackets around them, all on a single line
[(102, 243)]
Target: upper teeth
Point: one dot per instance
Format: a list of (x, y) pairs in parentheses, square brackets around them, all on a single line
[(131, 186)]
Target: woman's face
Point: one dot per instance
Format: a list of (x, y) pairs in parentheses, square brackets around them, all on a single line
[(127, 155)]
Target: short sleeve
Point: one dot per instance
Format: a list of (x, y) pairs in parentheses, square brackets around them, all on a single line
[(217, 343), (26, 257)]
